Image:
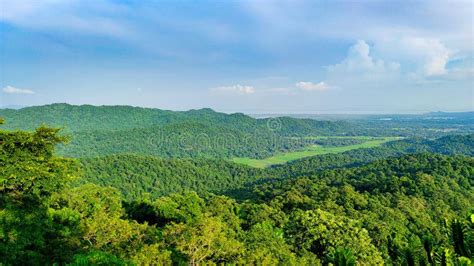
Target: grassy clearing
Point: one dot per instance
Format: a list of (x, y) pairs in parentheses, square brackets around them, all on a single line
[(312, 151)]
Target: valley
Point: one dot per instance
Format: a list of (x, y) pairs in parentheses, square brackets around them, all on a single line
[(314, 150)]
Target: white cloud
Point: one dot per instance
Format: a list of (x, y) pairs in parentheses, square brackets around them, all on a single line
[(13, 90), (361, 70), (429, 55), (102, 17), (360, 60), (235, 89), (421, 58), (309, 86)]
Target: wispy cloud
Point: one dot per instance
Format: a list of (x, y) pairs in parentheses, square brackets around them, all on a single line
[(13, 90), (101, 18), (364, 20), (235, 89), (310, 86)]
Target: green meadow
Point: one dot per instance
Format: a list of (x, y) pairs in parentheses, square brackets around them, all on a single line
[(313, 150)]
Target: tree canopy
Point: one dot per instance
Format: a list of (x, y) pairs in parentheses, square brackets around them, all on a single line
[(136, 210)]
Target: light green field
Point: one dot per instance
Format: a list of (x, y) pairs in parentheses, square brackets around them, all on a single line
[(312, 150)]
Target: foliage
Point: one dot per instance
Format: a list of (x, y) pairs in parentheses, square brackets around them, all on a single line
[(322, 233), (29, 175), (343, 257), (136, 175), (408, 209)]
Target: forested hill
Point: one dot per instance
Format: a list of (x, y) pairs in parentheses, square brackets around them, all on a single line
[(136, 175), (79, 118), (98, 118), (89, 117), (105, 130)]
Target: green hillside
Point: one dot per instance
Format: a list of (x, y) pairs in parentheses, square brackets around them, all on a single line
[(78, 118), (107, 130), (405, 210), (137, 175)]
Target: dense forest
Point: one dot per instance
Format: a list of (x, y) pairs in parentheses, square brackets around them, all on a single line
[(137, 175), (107, 130), (406, 202), (120, 129)]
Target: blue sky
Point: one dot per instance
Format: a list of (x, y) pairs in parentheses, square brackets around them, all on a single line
[(246, 56)]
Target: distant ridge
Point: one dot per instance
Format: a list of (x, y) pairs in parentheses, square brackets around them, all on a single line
[(88, 117), (457, 114), (255, 115), (123, 117)]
